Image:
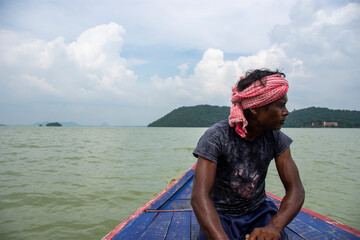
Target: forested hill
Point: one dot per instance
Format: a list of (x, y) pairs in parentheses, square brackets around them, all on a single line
[(317, 116), (206, 115), (197, 116)]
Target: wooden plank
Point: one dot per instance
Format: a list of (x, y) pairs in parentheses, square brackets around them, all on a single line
[(332, 227), (305, 230), (327, 230), (135, 228), (167, 196), (158, 229), (177, 204), (310, 227), (180, 226), (350, 231), (185, 191), (292, 235)]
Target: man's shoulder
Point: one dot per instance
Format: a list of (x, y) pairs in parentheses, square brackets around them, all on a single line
[(273, 133), (217, 131), (221, 124), (278, 134), (219, 127)]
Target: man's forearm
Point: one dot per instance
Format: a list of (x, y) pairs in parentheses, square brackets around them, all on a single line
[(208, 219), (289, 208), (295, 194)]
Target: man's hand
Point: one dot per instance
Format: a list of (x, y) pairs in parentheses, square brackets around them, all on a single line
[(266, 233)]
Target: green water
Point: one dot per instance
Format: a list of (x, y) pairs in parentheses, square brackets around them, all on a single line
[(80, 183)]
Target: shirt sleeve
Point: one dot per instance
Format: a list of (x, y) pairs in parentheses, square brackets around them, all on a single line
[(209, 145), (283, 142)]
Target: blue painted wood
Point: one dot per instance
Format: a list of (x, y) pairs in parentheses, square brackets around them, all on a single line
[(172, 191), (177, 205), (136, 228), (158, 229), (293, 235), (304, 230), (181, 198), (185, 191), (326, 230), (180, 226)]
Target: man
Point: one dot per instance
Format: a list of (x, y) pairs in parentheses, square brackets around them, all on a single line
[(228, 194)]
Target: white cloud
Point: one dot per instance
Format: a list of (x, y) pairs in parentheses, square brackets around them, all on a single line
[(30, 86), (214, 77), (33, 53), (88, 68), (342, 15), (327, 44), (97, 46), (315, 44), (233, 26), (318, 50)]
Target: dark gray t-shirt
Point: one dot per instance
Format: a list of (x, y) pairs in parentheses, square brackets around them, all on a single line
[(242, 165)]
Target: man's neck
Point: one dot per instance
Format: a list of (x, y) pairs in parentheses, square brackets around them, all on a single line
[(253, 130)]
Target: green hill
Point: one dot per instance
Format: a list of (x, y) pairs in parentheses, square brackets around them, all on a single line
[(206, 115), (306, 117), (197, 116)]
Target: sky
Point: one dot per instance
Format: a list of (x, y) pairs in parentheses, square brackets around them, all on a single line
[(130, 62)]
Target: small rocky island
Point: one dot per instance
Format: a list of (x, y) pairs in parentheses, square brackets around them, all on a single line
[(54, 124)]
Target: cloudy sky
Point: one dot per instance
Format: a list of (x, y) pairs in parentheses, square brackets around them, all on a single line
[(130, 62)]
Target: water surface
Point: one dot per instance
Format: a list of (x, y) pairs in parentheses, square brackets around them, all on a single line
[(81, 182)]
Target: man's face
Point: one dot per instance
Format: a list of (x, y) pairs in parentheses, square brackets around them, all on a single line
[(274, 117)]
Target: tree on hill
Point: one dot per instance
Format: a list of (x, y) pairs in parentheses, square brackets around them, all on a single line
[(306, 117), (54, 124), (197, 116), (206, 116)]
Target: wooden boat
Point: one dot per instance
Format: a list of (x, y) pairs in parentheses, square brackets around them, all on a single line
[(169, 216)]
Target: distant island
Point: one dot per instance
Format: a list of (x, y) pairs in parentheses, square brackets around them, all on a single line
[(71, 124), (64, 124), (207, 115), (54, 124)]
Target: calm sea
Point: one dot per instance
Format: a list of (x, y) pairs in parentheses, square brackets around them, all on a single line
[(81, 182)]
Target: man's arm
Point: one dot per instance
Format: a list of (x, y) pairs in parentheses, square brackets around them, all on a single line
[(204, 209), (291, 203)]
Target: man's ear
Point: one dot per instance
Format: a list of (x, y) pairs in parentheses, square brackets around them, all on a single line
[(254, 111)]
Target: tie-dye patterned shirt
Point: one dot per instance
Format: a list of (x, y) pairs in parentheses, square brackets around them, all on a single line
[(242, 165)]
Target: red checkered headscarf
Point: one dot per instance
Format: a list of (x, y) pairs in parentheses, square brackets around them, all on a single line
[(273, 88)]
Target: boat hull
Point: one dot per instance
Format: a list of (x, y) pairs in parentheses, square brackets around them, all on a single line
[(170, 216)]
